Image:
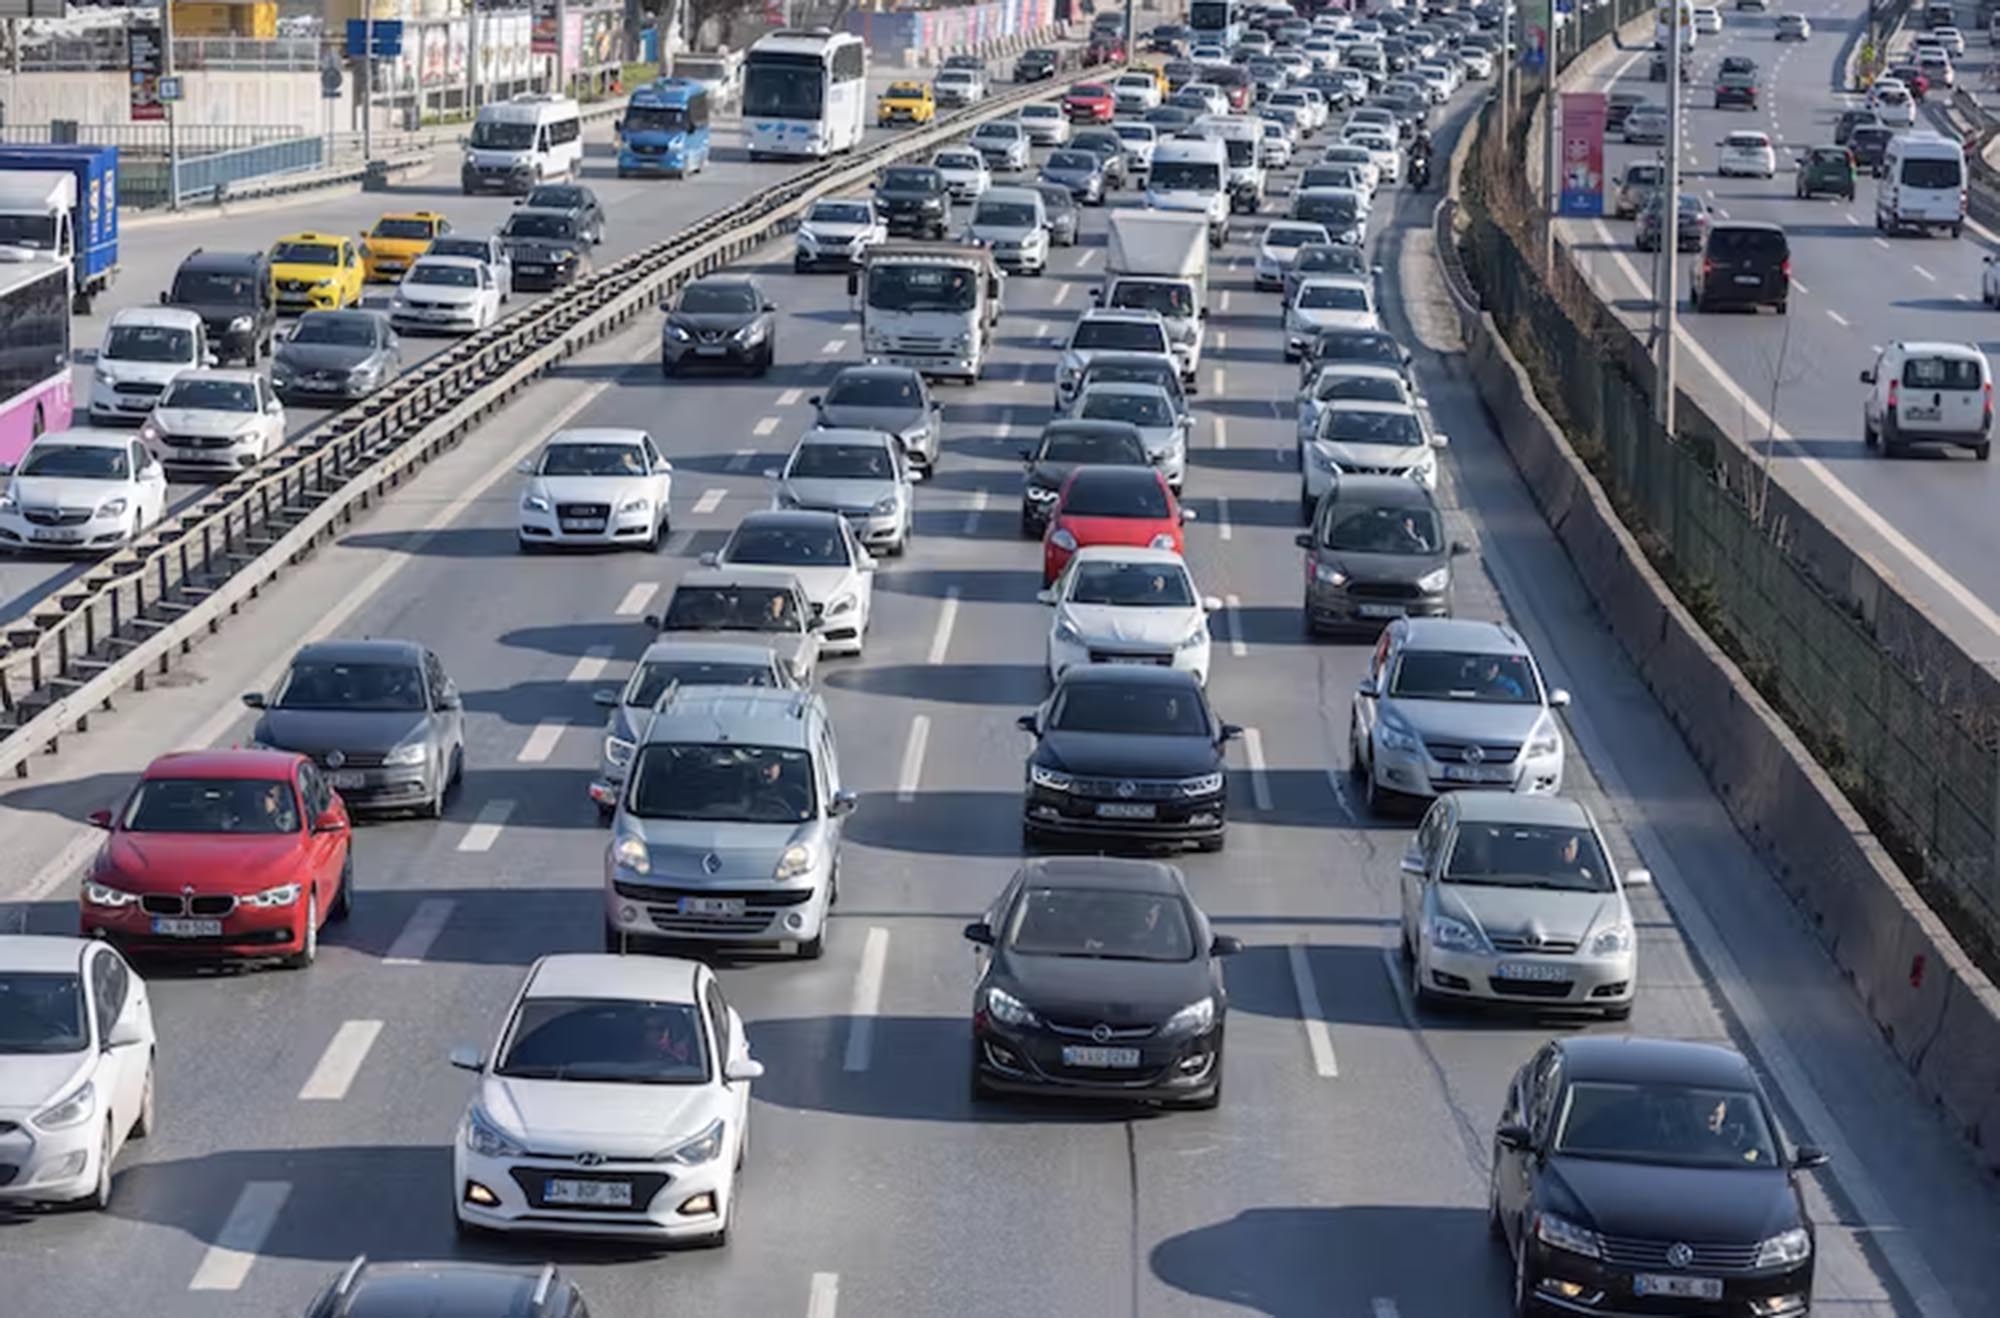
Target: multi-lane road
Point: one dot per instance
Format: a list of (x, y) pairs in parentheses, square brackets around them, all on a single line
[(306, 1117)]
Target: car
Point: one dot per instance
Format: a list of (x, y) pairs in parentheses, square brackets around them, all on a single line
[(1375, 549), (76, 1078), (1627, 1165), (1003, 143), (1929, 393), (1869, 144), (315, 271), (1280, 241), (1063, 447), (1126, 753), (1436, 690), (487, 249), (1793, 27), (1121, 604), (1060, 208), (390, 1290), (1377, 346), (1276, 145), (1137, 368), (1312, 259), (577, 199), (956, 88), (1098, 331), (860, 474), (1744, 263), (728, 827), (965, 172), (1893, 104), (1646, 125), (907, 102), (1333, 381), (1736, 88), (1936, 68), (381, 716), (1111, 151), (1080, 172), (1636, 186), (597, 487), (1363, 436), (1707, 19), (222, 854), (1617, 105), (722, 320), (81, 490), (895, 399), (1325, 302), (1346, 153), (753, 608), (333, 357), (144, 348), (445, 294), (1826, 169), (1343, 212), (1037, 64), (1010, 224), (1913, 77), (615, 1101), (1090, 103), (1105, 47), (1148, 408), (837, 231), (1950, 38), (1746, 153), (396, 240), (1690, 225), (1136, 92), (1382, 149), (1044, 123), (1852, 119), (216, 420), (914, 200), (233, 294), (1111, 506), (821, 551), (547, 248), (1140, 140)]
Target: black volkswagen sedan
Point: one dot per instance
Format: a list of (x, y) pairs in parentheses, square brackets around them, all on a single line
[(1063, 447), (1127, 752), (1647, 1176), (1100, 980)]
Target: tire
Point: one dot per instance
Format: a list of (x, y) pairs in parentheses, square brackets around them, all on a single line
[(1869, 439), (1496, 1226), (1421, 995), (614, 940), (1892, 443), (1782, 305), (309, 951), (1983, 450), (1029, 531), (812, 949), (99, 1197), (146, 1120), (343, 897)]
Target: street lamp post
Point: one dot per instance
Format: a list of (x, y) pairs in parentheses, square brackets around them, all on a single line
[(1670, 223)]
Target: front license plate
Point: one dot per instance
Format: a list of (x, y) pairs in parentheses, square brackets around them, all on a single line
[(347, 778), (710, 349), (1104, 1059), (1686, 1288), (1125, 810), (1749, 279), (710, 906), (187, 928), (588, 1194), (531, 269), (55, 536), (1534, 970), (1380, 610), (1477, 773), (573, 524), (1140, 659)]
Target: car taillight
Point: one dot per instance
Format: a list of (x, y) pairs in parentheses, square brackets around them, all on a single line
[(1987, 388), (1785, 267), (1707, 266), (1892, 395)]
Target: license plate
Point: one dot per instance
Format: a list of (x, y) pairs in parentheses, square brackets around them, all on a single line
[(1535, 970), (588, 1194), (710, 906), (1105, 1059), (1912, 413), (1749, 279), (347, 778), (1125, 810), (1143, 660), (1380, 610), (1689, 1288), (187, 928), (710, 349), (575, 524), (55, 535), (531, 269), (1478, 773)]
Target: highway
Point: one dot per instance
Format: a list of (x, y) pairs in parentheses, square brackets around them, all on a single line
[(306, 1117), (1926, 517)]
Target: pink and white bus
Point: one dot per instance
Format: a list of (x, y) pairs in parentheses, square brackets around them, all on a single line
[(34, 354)]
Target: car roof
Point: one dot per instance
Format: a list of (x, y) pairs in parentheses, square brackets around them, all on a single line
[(42, 953), (199, 259), (1395, 491), (1145, 387), (1938, 348), (721, 280), (1763, 225), (845, 435), (1142, 554), (228, 375), (814, 518), (1106, 473), (875, 371), (676, 646), (1102, 872), (1467, 635), (1336, 281), (161, 317), (751, 715), (724, 578), (1128, 675), (85, 437), (229, 762), (609, 975), (309, 236), (412, 215), (596, 435), (454, 262), (439, 1290), (367, 650), (1659, 1061), (1370, 405), (1021, 194), (1518, 807)]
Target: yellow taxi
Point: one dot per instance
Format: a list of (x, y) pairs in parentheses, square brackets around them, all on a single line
[(906, 103), (1158, 69), (398, 239), (316, 272)]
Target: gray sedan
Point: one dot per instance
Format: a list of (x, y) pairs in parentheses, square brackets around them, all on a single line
[(333, 356), (1059, 204), (1147, 407), (1082, 172), (890, 398)]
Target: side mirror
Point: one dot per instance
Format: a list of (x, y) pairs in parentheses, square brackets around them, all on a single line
[(1558, 699), (124, 1033), (466, 1058), (1230, 732), (254, 699), (1440, 441), (1413, 863), (1303, 540), (1514, 1136), (1189, 515), (979, 932), (1210, 604), (1806, 1157), (608, 699), (1028, 723), (743, 1068), (1639, 878), (1046, 595), (1459, 547), (770, 306), (1868, 376), (525, 467), (1366, 687), (330, 821), (773, 473), (652, 620), (163, 299), (916, 475), (816, 400), (100, 819), (843, 803), (451, 700), (1028, 456), (1225, 945), (710, 558)]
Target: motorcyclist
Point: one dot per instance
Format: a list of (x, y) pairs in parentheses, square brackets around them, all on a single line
[(1420, 159)]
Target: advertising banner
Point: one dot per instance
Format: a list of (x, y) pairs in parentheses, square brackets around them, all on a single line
[(143, 39), (1582, 154), (545, 27)]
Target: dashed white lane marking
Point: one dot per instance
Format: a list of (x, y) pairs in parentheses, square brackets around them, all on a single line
[(825, 1298), (341, 1062), (913, 758), (1222, 526), (541, 743), (767, 425), (1849, 217), (426, 923), (740, 459), (1221, 340), (1318, 1042), (1225, 299), (1220, 376), (867, 1000), (978, 508), (1836, 317), (1962, 297), (1260, 776), (637, 598), (1925, 273), (1882, 243), (947, 617), (1041, 331), (710, 500), (1232, 606), (590, 664), (1383, 1307), (1089, 255), (1062, 294), (1797, 287), (1221, 431), (834, 347), (791, 397), (227, 1263), (485, 829)]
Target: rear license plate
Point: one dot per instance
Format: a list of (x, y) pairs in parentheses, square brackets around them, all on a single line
[(1125, 810), (1689, 1288), (1749, 279), (1478, 773), (710, 906), (187, 928), (347, 778), (1380, 610), (588, 1194), (1104, 1059), (581, 524), (1913, 413), (531, 269), (55, 535), (1534, 970)]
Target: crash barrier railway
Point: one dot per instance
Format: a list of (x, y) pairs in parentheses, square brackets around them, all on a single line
[(1897, 714), (130, 616)]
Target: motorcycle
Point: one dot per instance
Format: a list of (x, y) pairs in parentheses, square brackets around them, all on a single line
[(1420, 173)]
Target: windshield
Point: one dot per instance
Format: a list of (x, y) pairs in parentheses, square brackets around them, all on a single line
[(1747, 142), (300, 253), (1285, 237), (966, 160), (1346, 425), (911, 180), (1118, 336), (497, 136), (1240, 151), (34, 231), (655, 119), (1558, 856), (1148, 709), (1084, 161), (1395, 529), (819, 544), (593, 460), (1005, 215), (897, 391), (212, 395), (1502, 679), (1093, 446), (556, 197), (1365, 388), (200, 286), (407, 229), (605, 1041), (328, 684), (922, 288), (1335, 212), (905, 91), (784, 91), (148, 343), (841, 212), (1114, 495), (525, 224), (702, 299), (1141, 409), (1134, 132), (212, 805), (654, 677), (1132, 585), (1099, 924), (732, 608), (41, 1013), (1185, 176), (440, 275), (1644, 175), (1173, 301), (348, 331), (737, 784), (88, 462), (1334, 297), (836, 461), (1683, 1125)]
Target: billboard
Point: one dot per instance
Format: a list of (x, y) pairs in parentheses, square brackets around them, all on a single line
[(547, 36), (1582, 154), (143, 39)]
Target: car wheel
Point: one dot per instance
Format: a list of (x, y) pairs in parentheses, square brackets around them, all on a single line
[(975, 1082), (145, 1119), (1892, 443), (1029, 531), (1211, 845), (1984, 450), (1868, 437), (812, 949), (1422, 996), (343, 897), (309, 947), (1496, 1226), (1373, 796), (434, 807), (99, 1197)]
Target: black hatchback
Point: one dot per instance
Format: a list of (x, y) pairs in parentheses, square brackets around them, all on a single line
[(1063, 447), (231, 292), (1744, 263), (399, 1290)]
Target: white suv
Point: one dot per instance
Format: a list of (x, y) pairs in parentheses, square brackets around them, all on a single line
[(1929, 393)]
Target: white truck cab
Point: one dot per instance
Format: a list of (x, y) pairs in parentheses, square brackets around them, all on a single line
[(1192, 174)]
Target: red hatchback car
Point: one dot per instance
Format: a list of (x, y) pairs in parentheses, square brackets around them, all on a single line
[(1112, 506), (229, 853), (1089, 103)]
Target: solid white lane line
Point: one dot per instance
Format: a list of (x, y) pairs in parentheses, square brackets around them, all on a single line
[(637, 598), (740, 459), (1221, 431), (825, 1300), (1925, 273), (485, 830), (947, 617), (834, 346), (913, 758), (426, 923), (867, 1000), (1260, 776), (591, 664), (710, 500), (1836, 317), (227, 1262), (1062, 295), (341, 1062), (767, 425), (1222, 526), (790, 397), (541, 743), (1233, 609), (978, 508), (1318, 1041)]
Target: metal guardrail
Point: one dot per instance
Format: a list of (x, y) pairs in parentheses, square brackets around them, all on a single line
[(194, 139), (127, 617)]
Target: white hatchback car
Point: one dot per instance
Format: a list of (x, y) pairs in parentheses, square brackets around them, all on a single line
[(445, 295), (596, 487), (1707, 19), (216, 420), (1746, 154), (1044, 123), (1121, 604), (1281, 241), (82, 490), (615, 1102), (965, 173)]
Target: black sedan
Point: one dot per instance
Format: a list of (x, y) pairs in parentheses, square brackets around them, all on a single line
[(573, 197), (1037, 65), (720, 320), (1647, 1176), (1129, 753), (1063, 447), (1100, 980), (548, 248)]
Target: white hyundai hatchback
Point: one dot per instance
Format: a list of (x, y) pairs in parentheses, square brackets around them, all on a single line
[(615, 1102)]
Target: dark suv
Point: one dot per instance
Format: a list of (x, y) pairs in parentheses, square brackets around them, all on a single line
[(1743, 264), (914, 201), (231, 292)]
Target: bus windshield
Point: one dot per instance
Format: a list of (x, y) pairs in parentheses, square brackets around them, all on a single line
[(784, 88), (656, 119)]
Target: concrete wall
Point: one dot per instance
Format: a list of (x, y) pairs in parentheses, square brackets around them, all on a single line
[(211, 97)]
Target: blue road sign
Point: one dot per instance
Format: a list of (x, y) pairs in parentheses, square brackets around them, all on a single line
[(388, 37)]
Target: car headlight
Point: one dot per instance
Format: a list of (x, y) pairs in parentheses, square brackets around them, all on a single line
[(797, 860), (1195, 1018), (327, 282), (1067, 633), (1432, 582), (1036, 494), (636, 504), (1004, 1007), (1054, 780), (1611, 940), (1561, 1233), (617, 751), (630, 853), (807, 238), (1395, 737), (842, 604), (240, 324), (884, 505), (1063, 540), (1195, 639), (410, 752), (1794, 1246), (73, 1109), (750, 333), (98, 894), (484, 1136), (1202, 784), (705, 1147), (1164, 540), (677, 333), (282, 895), (1454, 935), (1545, 740), (111, 507), (1328, 575), (534, 503)]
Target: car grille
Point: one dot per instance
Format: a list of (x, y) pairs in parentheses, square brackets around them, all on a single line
[(140, 387), (760, 907), (1534, 988), (1454, 752), (1626, 1252), (1128, 789), (709, 336), (210, 905), (1384, 590), (196, 441), (351, 760), (1356, 469), (534, 1184), (56, 516), (585, 510), (427, 304), (1545, 946), (293, 285), (1162, 658), (916, 343), (1073, 1030)]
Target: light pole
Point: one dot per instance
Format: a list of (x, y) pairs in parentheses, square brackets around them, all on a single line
[(1551, 162), (173, 134), (1670, 224)]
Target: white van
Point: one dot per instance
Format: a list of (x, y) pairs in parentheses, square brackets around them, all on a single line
[(144, 348), (1923, 184), (518, 143), (1191, 174), (1242, 139), (1929, 393)]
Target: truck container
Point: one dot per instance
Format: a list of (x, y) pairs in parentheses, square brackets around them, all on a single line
[(1158, 261), (63, 201)]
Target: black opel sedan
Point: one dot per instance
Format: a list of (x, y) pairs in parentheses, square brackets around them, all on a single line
[(1130, 752), (1063, 447), (1100, 979), (1647, 1176)]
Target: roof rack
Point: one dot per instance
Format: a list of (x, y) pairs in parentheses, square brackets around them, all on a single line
[(349, 1275)]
